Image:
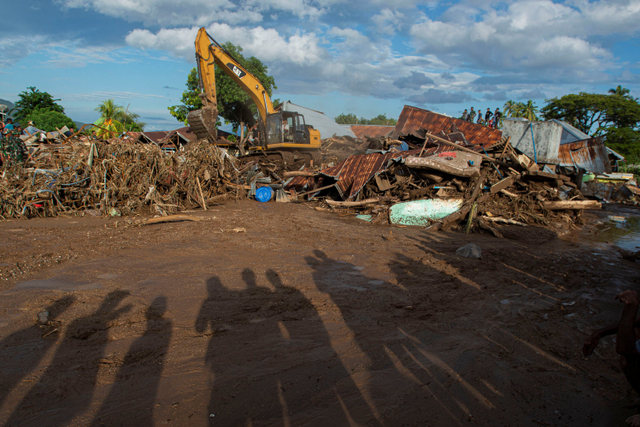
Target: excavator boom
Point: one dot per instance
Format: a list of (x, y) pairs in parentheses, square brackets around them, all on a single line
[(208, 53), (285, 132)]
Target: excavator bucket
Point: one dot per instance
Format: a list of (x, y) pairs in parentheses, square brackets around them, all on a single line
[(203, 122)]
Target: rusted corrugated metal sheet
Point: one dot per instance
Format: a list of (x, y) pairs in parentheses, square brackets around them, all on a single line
[(413, 120), (589, 154), (353, 173), (371, 131)]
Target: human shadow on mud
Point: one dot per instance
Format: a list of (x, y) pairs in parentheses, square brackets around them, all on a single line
[(132, 397), (22, 351), (265, 353), (66, 388), (381, 318)]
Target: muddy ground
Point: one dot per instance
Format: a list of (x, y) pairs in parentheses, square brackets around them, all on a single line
[(304, 318)]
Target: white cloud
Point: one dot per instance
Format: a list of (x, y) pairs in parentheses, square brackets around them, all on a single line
[(15, 48), (200, 12), (266, 44), (534, 35), (388, 21)]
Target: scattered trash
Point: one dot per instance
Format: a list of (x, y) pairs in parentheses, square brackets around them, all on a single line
[(616, 218), (470, 250), (43, 317), (264, 194), (422, 212)]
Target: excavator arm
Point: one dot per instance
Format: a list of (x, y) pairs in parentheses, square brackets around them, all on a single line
[(208, 53)]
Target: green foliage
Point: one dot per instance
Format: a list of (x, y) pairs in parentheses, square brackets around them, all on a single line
[(116, 119), (32, 100), (352, 119), (615, 116), (625, 141), (347, 119), (234, 105), (520, 109), (594, 113), (233, 102), (619, 90), (48, 120)]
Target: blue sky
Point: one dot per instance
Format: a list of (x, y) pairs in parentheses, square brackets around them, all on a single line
[(336, 56)]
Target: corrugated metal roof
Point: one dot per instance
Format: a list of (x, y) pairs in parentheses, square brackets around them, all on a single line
[(354, 172), (589, 154), (372, 131), (413, 120), (570, 133)]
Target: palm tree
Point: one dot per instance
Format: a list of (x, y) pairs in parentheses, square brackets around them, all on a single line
[(529, 111), (108, 121), (622, 91), (509, 108)]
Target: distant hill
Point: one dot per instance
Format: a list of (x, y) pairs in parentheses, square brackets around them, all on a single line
[(9, 104)]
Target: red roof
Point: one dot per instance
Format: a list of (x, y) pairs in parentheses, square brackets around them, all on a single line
[(371, 131), (415, 121)]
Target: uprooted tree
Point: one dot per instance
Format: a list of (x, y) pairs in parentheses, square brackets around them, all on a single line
[(234, 105), (614, 116)]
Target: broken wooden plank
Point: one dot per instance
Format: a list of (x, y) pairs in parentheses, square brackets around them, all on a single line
[(503, 220), (352, 204), (289, 174), (502, 184), (575, 204), (170, 218)]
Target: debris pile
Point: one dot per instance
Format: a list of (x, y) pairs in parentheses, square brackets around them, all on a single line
[(449, 183), (116, 178), (432, 171)]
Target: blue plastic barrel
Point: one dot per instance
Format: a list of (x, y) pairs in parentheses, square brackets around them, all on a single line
[(264, 194)]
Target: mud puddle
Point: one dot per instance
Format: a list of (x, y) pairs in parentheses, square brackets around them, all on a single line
[(614, 225)]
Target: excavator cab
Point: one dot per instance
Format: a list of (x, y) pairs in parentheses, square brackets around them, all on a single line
[(286, 128)]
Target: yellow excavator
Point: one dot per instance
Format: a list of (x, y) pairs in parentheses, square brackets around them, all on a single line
[(281, 133)]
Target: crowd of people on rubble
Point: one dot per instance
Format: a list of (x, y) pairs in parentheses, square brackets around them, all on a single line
[(488, 119)]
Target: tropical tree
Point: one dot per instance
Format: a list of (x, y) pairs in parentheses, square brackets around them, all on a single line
[(31, 100), (108, 123), (49, 121), (234, 105), (115, 119), (511, 109), (529, 110), (348, 119), (619, 90), (615, 117)]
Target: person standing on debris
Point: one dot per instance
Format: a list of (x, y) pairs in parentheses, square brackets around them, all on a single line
[(8, 127), (487, 116), (472, 114), (480, 121), (496, 118), (627, 342), (465, 115)]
